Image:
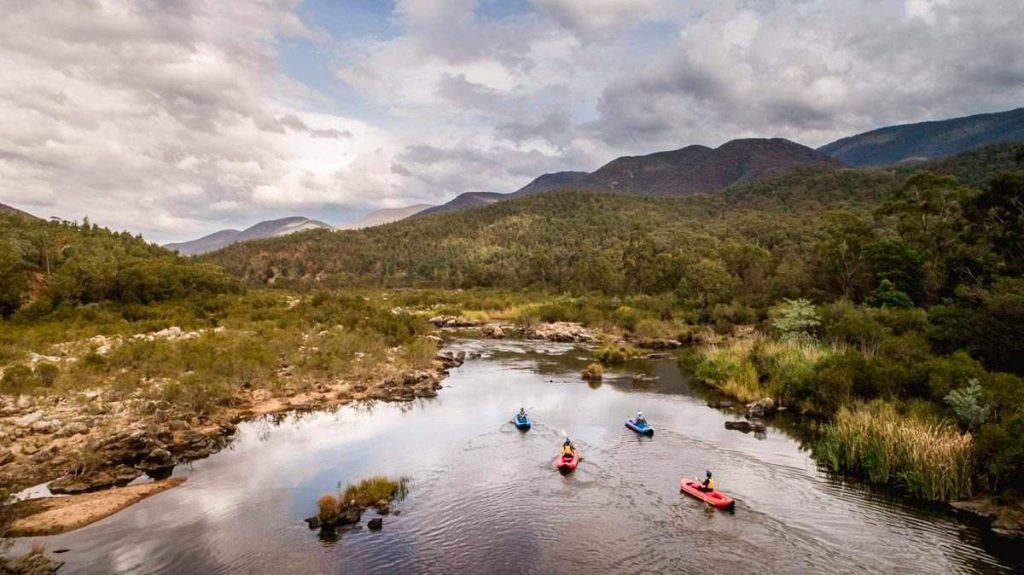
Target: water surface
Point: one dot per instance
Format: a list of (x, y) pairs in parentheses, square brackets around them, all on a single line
[(485, 497)]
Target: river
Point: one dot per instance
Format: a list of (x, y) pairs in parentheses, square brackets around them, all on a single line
[(484, 498)]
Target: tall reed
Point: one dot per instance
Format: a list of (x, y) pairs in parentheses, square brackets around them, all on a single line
[(924, 459)]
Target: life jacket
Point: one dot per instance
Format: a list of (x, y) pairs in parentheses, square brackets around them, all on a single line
[(567, 450), (711, 484)]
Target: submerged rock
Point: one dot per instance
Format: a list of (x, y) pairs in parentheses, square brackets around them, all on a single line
[(376, 524), (745, 426)]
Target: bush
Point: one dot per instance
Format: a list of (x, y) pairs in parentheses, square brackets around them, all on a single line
[(328, 507), (614, 355), (999, 451), (966, 404), (593, 371), (17, 379), (727, 369)]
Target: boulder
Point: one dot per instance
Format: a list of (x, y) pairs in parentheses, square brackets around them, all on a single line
[(761, 407), (493, 331), (565, 332), (46, 427), (745, 426), (26, 421), (73, 428), (376, 524)]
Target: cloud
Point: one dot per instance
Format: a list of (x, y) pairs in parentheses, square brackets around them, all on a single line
[(817, 70), (175, 118)]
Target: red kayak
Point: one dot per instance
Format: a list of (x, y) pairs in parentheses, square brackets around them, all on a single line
[(713, 497), (566, 464)]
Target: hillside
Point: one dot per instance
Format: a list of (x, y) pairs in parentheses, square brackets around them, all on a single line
[(464, 202), (565, 239), (266, 229), (50, 264), (548, 182), (927, 140), (5, 209), (384, 216)]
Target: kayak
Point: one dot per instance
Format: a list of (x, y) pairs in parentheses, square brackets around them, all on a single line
[(567, 464), (522, 423), (713, 497), (641, 428)]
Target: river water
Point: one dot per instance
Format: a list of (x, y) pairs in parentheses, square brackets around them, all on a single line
[(484, 498)]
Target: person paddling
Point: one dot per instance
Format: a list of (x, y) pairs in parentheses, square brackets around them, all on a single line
[(568, 449), (708, 484), (640, 421), (522, 413)]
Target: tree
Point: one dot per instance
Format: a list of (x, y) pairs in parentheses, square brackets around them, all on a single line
[(886, 295), (843, 253), (13, 279), (797, 319), (705, 283)]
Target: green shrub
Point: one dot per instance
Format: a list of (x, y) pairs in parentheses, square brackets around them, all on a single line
[(966, 404)]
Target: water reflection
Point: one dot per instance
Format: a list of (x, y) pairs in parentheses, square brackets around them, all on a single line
[(484, 497)]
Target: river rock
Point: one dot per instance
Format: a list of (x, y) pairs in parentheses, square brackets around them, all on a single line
[(45, 427), (26, 421), (5, 456), (655, 343), (493, 331), (745, 426), (761, 407), (452, 321), (376, 524), (565, 332), (73, 428), (95, 481)]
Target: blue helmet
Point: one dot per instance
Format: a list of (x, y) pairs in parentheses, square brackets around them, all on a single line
[(707, 472)]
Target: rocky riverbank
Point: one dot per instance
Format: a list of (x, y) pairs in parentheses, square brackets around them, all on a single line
[(92, 442)]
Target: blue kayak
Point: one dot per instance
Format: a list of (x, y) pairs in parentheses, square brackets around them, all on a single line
[(522, 423), (641, 428)]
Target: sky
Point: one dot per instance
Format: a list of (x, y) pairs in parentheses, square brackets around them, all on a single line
[(177, 118)]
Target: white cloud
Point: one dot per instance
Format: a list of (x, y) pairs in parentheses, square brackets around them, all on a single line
[(178, 118)]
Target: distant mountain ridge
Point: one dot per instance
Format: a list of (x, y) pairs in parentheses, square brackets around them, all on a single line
[(928, 140), (266, 229), (384, 216), (691, 170)]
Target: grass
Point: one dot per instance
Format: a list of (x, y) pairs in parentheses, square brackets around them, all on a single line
[(371, 491), (617, 354), (749, 369), (926, 459)]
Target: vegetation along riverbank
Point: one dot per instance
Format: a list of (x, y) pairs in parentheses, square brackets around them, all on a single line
[(885, 304)]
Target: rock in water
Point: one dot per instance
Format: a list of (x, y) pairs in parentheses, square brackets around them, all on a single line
[(376, 524)]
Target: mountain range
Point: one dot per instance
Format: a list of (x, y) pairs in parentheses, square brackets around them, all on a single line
[(698, 169), (262, 230), (928, 140)]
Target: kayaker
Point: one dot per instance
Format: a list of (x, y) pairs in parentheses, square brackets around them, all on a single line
[(708, 484), (640, 419), (522, 413), (567, 448)]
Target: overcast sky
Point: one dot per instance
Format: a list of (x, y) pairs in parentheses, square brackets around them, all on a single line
[(176, 118)]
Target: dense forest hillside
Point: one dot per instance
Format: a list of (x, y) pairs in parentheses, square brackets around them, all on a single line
[(928, 140), (44, 265), (573, 239)]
